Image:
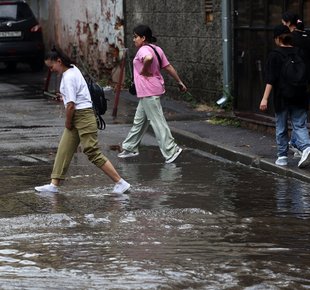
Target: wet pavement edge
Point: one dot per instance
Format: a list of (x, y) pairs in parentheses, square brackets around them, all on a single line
[(193, 140)]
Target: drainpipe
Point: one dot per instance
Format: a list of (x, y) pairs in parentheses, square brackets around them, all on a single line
[(227, 59)]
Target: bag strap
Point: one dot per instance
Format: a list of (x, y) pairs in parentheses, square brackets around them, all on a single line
[(157, 54), (101, 125)]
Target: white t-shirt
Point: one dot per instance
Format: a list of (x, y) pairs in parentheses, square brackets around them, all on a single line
[(73, 88)]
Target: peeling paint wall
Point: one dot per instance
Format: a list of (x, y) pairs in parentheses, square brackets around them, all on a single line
[(93, 30)]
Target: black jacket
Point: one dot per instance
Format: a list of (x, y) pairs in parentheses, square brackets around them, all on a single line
[(273, 67)]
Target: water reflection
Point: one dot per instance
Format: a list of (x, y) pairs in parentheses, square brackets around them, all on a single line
[(292, 197), (149, 249), (170, 173)]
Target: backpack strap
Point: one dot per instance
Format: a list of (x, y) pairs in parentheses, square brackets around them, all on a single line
[(157, 54), (100, 122)]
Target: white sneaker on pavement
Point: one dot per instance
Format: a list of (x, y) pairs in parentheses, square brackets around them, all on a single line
[(47, 188), (121, 187), (127, 154), (281, 161), (305, 158), (174, 156)]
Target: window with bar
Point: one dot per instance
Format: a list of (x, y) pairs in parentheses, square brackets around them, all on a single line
[(209, 11)]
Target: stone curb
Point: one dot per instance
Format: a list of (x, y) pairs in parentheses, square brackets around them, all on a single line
[(210, 146)]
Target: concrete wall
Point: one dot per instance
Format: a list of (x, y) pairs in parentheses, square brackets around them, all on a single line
[(92, 28), (193, 47)]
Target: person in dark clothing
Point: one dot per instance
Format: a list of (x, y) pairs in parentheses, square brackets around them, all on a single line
[(285, 107), (300, 38)]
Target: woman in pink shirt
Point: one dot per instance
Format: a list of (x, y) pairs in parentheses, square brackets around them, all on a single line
[(148, 62)]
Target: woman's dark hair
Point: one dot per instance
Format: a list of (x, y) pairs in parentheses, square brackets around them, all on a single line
[(144, 30), (293, 19), (56, 53)]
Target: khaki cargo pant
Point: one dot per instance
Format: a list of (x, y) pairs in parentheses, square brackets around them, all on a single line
[(150, 112), (85, 132)]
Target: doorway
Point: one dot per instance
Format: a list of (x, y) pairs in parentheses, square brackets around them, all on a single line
[(253, 40)]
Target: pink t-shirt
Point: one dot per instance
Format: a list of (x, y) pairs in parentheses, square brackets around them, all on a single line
[(154, 85)]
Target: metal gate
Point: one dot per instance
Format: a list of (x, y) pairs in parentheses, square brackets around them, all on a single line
[(253, 39)]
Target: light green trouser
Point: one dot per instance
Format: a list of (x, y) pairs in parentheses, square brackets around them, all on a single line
[(85, 132), (150, 112)]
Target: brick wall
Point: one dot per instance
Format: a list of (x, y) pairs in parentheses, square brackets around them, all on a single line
[(193, 47)]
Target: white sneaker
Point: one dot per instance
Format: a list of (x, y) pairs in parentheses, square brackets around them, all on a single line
[(281, 161), (127, 154), (305, 158), (121, 187), (174, 156), (47, 188)]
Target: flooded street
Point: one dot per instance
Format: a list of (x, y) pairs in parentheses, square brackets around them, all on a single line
[(201, 223), (198, 224)]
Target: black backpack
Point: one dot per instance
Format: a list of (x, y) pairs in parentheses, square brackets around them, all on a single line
[(293, 75), (302, 39), (99, 102)]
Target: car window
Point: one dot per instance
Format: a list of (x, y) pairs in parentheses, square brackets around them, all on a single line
[(15, 12)]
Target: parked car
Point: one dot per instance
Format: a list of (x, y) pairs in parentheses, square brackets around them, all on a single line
[(20, 36)]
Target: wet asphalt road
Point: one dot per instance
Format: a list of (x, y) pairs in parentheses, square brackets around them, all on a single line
[(201, 223)]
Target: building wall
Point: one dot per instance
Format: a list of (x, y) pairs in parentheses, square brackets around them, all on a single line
[(94, 29), (193, 47)]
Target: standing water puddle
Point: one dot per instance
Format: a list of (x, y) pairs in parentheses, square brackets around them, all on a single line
[(200, 224)]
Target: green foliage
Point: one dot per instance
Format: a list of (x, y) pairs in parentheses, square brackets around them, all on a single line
[(127, 81), (224, 121), (188, 97), (228, 105), (104, 81)]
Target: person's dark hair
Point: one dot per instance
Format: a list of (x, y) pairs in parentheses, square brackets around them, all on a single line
[(144, 30), (280, 29), (293, 19), (282, 32), (56, 53)]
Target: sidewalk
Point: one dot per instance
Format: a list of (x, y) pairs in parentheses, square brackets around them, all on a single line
[(249, 147)]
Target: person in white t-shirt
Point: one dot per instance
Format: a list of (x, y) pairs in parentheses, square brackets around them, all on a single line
[(80, 125), (148, 62)]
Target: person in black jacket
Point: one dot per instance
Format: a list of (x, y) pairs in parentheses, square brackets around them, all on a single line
[(300, 38), (293, 107)]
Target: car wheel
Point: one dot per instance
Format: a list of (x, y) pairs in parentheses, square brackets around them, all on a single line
[(37, 65), (11, 66)]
